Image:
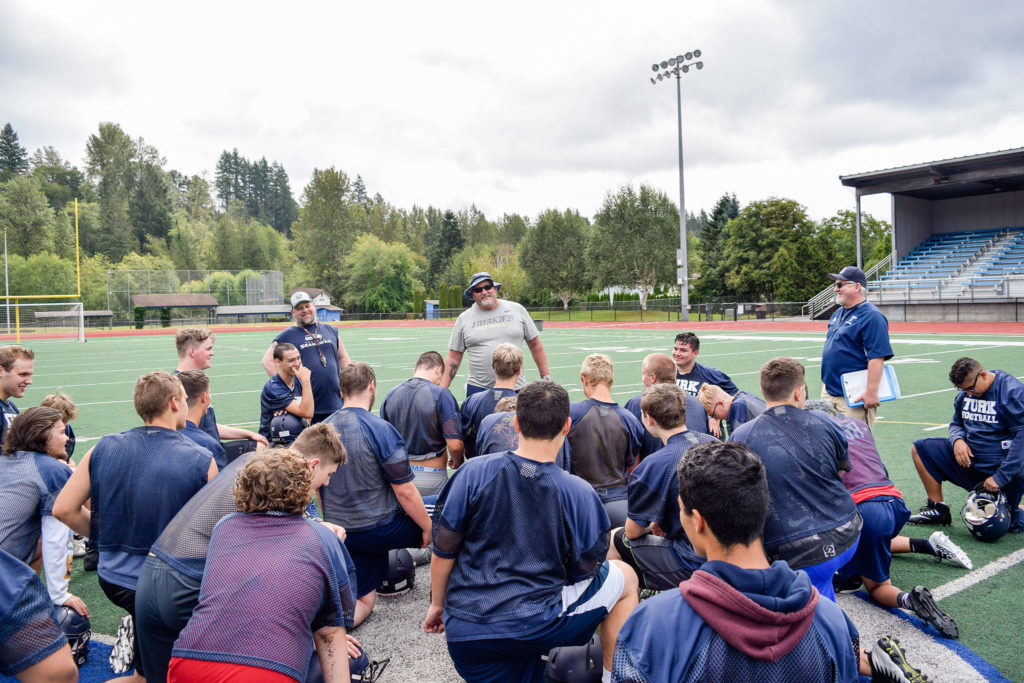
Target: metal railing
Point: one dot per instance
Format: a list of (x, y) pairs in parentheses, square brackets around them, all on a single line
[(826, 297)]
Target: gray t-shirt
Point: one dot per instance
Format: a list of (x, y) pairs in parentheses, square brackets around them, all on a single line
[(479, 332)]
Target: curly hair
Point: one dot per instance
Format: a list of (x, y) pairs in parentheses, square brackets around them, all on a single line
[(63, 404), (276, 480), (30, 430)]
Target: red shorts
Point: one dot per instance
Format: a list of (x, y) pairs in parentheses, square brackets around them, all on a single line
[(183, 670)]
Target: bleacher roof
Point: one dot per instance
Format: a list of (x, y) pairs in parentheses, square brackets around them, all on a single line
[(978, 174)]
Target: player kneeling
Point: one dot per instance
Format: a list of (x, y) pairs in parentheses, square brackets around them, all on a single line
[(279, 579), (739, 618), (519, 548)]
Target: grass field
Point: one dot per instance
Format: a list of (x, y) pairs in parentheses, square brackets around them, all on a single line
[(100, 375)]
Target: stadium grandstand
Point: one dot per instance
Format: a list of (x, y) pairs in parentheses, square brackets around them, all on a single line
[(957, 240)]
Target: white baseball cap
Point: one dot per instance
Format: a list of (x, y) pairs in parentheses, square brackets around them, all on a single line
[(299, 297)]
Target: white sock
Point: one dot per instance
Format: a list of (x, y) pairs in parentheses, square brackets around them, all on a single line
[(606, 676)]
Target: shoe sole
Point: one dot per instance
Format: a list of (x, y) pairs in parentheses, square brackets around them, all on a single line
[(928, 611), (947, 550), (882, 661)]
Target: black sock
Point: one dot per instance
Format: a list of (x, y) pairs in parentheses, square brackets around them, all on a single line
[(921, 545)]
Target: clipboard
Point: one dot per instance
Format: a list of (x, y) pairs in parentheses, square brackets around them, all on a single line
[(854, 384)]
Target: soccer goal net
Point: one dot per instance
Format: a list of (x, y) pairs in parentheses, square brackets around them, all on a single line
[(22, 323)]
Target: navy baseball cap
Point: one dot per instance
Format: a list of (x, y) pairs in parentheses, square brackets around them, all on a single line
[(851, 274), (477, 279)]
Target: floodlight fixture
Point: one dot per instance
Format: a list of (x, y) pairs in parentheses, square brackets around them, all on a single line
[(664, 65), (696, 54), (686, 68), (689, 56), (699, 65), (671, 61), (679, 59), (655, 67)]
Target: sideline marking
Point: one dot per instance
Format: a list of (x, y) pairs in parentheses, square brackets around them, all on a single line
[(978, 575)]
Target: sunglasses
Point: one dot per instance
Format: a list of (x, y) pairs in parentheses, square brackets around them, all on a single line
[(970, 389), (840, 285), (482, 288)]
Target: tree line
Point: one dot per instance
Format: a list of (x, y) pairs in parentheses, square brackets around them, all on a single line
[(136, 213)]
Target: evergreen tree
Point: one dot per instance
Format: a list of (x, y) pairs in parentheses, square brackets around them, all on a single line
[(149, 207), (13, 157), (712, 249), (282, 210), (446, 243)]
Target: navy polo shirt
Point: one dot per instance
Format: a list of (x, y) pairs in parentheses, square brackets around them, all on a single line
[(855, 336)]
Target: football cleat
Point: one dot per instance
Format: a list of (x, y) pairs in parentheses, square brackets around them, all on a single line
[(932, 513), (923, 605), (889, 663), (945, 549), (122, 657)]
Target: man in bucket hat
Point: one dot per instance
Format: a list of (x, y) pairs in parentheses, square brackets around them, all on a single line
[(481, 327)]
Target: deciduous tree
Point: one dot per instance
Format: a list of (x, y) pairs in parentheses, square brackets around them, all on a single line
[(552, 254)]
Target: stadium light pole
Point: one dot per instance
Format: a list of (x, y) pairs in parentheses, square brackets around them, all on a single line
[(677, 66)]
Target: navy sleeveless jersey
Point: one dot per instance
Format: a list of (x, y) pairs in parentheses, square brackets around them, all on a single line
[(311, 342), (29, 483), (359, 496), (519, 531), (271, 580), (425, 414)]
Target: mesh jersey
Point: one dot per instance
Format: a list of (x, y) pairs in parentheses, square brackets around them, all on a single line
[(605, 440), (696, 421), (745, 407), (497, 433), (474, 410), (802, 452), (489, 517), (28, 626), (271, 580), (701, 374), (184, 542), (654, 492), (866, 467), (139, 480), (359, 496), (8, 411), (29, 483), (193, 432), (425, 414), (323, 376), (276, 396)]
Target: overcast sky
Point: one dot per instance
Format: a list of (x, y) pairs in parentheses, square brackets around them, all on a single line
[(518, 107)]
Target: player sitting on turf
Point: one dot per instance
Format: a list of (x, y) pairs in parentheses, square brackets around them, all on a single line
[(168, 586), (498, 433), (519, 554), (269, 565), (16, 367), (32, 473), (658, 368), (739, 617), (985, 444), (662, 559), (427, 416), (289, 391), (137, 481), (732, 410), (507, 363), (197, 388), (813, 523), (32, 646), (691, 375), (605, 437), (195, 352), (373, 497), (881, 507)]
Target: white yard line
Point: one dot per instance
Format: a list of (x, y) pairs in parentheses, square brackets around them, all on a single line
[(978, 575)]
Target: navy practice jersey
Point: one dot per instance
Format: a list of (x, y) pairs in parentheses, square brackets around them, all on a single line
[(745, 407), (488, 518), (425, 414), (497, 433), (474, 409), (28, 627), (802, 452), (193, 432), (359, 496), (277, 575), (275, 397), (993, 426), (605, 440), (8, 411), (696, 421), (311, 342), (855, 336), (29, 483), (692, 381)]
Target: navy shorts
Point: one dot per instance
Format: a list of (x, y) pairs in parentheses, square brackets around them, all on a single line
[(884, 517), (369, 550), (937, 456), (654, 560)]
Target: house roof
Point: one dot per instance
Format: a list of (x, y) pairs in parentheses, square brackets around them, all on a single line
[(313, 292)]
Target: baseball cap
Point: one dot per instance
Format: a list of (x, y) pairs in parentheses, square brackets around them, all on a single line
[(477, 279), (851, 274), (299, 297)]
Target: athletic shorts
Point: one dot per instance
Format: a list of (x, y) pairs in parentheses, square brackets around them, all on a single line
[(584, 606), (821, 574), (884, 517), (369, 550), (164, 600), (653, 559), (185, 670)]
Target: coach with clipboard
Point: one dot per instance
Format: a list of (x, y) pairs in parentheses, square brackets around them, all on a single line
[(857, 339)]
